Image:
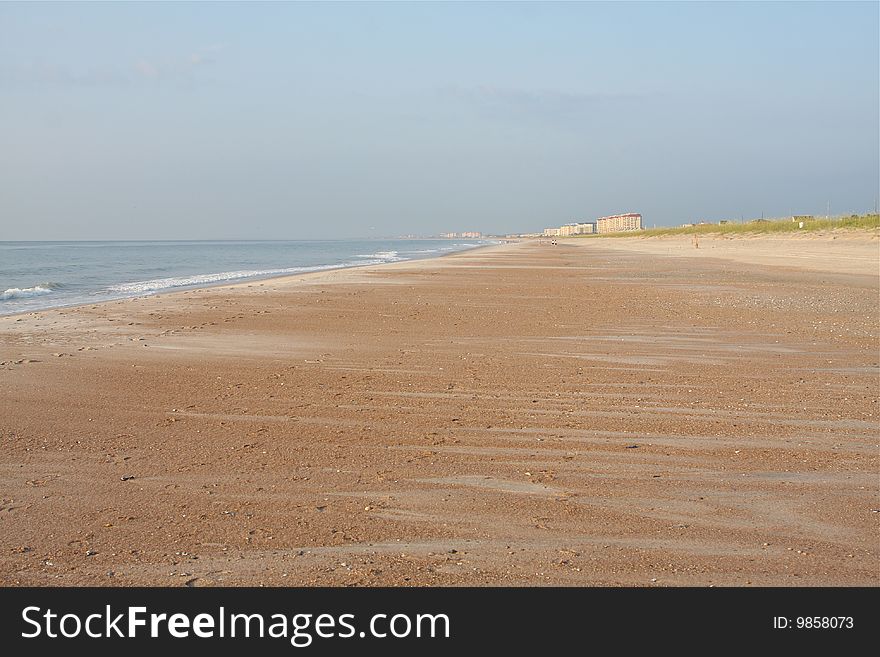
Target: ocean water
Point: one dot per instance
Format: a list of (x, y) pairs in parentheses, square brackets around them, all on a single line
[(39, 275)]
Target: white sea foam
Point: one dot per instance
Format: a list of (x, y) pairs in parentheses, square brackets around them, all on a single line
[(107, 279), (159, 284), (381, 255), (27, 292)]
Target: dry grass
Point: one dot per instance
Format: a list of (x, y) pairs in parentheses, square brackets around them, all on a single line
[(759, 226)]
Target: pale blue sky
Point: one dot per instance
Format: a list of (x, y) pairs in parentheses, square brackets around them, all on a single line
[(187, 121)]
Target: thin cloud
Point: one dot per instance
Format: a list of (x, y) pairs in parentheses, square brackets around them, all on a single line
[(181, 69), (50, 74), (146, 69), (178, 68)]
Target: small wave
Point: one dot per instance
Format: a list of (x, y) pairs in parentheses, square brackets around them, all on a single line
[(158, 284), (28, 292), (381, 255)]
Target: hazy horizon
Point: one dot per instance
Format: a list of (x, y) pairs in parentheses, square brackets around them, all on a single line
[(330, 121)]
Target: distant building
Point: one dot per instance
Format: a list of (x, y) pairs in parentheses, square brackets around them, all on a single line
[(567, 230), (468, 234), (619, 223), (581, 228)]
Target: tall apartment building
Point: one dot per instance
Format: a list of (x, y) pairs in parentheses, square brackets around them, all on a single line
[(619, 223), (568, 230)]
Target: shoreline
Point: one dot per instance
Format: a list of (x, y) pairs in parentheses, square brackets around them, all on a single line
[(515, 414), (244, 281)]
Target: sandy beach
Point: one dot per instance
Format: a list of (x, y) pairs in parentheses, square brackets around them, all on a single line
[(841, 251), (599, 412)]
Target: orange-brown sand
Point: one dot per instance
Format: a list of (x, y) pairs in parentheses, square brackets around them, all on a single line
[(580, 414)]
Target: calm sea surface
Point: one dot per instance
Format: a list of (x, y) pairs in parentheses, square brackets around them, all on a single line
[(38, 275)]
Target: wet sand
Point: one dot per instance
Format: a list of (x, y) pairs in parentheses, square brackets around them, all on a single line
[(590, 413)]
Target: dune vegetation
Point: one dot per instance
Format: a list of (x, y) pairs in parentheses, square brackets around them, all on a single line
[(759, 226)]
